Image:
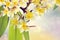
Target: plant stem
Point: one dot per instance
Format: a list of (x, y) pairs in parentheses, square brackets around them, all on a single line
[(15, 32)]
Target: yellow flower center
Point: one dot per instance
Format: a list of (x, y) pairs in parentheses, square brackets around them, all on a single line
[(29, 15), (24, 26), (57, 2), (5, 11), (14, 21), (7, 4), (1, 0), (40, 10), (21, 3), (15, 3), (36, 1)]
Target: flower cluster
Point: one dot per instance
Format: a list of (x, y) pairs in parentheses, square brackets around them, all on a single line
[(20, 12)]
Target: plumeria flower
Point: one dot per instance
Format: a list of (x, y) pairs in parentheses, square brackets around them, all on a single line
[(6, 12), (15, 3), (13, 11), (29, 15), (24, 26), (40, 10), (8, 3), (22, 3), (36, 2), (14, 21), (2, 2), (57, 2)]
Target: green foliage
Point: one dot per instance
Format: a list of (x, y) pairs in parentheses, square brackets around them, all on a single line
[(14, 33), (55, 6), (26, 35), (1, 8), (3, 24)]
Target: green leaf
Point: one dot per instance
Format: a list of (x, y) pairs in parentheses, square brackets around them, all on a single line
[(3, 24), (26, 35), (18, 34), (55, 6), (11, 34), (14, 33), (1, 8)]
